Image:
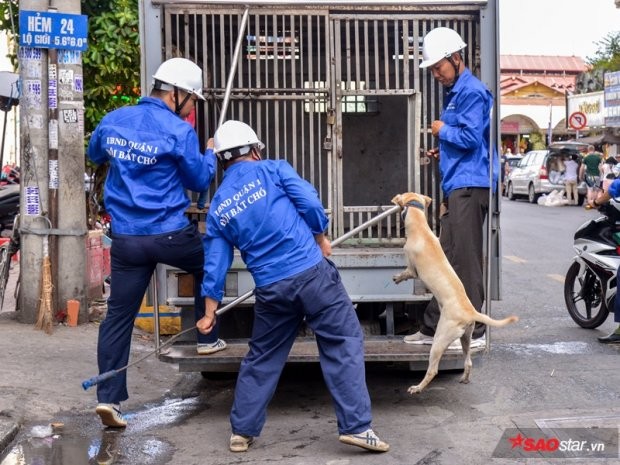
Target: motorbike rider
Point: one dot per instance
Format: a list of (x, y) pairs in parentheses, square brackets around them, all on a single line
[(613, 191)]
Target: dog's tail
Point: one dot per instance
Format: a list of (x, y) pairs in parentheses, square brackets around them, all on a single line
[(487, 320)]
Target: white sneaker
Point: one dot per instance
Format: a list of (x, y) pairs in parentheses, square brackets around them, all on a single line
[(206, 349), (474, 344), (111, 415), (366, 440), (239, 443), (418, 338)]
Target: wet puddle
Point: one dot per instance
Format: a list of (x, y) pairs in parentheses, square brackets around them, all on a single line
[(557, 348), (76, 440)]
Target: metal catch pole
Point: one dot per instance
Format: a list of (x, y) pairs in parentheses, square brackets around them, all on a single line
[(233, 67), (335, 243)]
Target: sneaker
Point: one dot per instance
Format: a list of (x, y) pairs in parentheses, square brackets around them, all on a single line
[(239, 443), (111, 415), (418, 338), (474, 344), (206, 349), (366, 440)]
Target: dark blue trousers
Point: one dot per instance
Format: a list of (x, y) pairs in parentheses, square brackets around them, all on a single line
[(617, 301), (133, 260), (317, 295)]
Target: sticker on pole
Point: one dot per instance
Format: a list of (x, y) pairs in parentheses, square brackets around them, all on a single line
[(577, 120)]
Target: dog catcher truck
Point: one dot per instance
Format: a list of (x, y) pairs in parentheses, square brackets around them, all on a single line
[(335, 88)]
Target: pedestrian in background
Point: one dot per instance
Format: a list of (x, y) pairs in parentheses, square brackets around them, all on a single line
[(571, 167), (153, 157), (276, 220), (589, 172), (464, 164)]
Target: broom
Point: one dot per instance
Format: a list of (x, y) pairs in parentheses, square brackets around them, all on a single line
[(44, 318)]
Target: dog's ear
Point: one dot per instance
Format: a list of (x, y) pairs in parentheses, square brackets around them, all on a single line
[(396, 200), (427, 200)]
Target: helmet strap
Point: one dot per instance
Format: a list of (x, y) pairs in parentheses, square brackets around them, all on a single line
[(456, 69), (178, 106)]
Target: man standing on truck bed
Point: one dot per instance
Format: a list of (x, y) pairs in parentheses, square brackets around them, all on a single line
[(153, 157), (464, 160), (276, 220)]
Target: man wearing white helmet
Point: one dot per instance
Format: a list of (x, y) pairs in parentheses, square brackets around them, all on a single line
[(276, 219), (153, 156), (462, 133)]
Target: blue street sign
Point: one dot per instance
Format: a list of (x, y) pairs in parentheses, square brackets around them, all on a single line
[(44, 29)]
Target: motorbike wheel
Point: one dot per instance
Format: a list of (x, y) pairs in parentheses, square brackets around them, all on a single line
[(583, 294)]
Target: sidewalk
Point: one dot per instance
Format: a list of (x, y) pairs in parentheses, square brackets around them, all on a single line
[(41, 374)]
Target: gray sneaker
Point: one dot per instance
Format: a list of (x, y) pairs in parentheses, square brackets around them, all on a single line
[(418, 338), (366, 440), (206, 349)]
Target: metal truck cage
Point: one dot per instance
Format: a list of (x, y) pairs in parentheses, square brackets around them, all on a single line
[(335, 89)]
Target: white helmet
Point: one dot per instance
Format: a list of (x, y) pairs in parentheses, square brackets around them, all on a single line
[(181, 73), (440, 43), (234, 139)]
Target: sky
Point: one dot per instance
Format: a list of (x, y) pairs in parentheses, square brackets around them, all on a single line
[(555, 27)]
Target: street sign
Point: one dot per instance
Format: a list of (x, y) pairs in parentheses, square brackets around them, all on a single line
[(43, 29), (577, 120)]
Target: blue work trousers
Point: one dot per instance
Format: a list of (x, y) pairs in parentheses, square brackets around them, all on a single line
[(617, 301), (317, 295), (133, 260)]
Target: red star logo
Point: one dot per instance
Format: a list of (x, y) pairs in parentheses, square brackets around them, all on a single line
[(517, 441)]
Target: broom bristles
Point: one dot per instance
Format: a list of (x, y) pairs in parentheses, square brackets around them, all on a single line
[(46, 313)]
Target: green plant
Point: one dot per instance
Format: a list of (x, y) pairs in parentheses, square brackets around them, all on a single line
[(537, 141), (111, 64), (112, 61), (607, 56)]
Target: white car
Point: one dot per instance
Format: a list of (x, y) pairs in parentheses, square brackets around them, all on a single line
[(540, 172)]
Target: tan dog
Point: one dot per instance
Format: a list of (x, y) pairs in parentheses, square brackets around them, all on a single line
[(426, 260)]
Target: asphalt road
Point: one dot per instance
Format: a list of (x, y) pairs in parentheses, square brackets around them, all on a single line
[(542, 373)]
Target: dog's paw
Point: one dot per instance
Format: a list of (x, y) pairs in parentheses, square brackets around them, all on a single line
[(464, 379), (396, 200), (403, 276), (414, 389)]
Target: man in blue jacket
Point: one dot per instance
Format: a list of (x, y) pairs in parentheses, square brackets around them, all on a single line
[(153, 156), (276, 220), (464, 160)]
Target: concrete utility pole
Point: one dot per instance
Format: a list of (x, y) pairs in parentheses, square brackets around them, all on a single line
[(33, 163), (52, 161)]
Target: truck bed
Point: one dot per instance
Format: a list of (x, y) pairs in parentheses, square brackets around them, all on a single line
[(377, 349)]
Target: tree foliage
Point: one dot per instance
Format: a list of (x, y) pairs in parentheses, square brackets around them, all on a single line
[(112, 61), (111, 64), (607, 56)]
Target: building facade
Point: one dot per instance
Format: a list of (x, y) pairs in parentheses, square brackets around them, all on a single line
[(533, 92)]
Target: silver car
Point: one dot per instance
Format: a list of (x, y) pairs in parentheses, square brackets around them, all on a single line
[(540, 172)]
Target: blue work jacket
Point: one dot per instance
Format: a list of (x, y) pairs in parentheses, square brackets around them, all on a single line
[(464, 137), (154, 156), (267, 211)]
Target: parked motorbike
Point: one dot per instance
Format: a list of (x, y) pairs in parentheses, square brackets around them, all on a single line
[(9, 205), (590, 284)]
